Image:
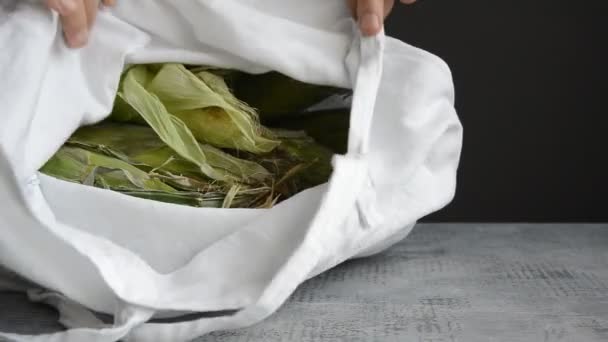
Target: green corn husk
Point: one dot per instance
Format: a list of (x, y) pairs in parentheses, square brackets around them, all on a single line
[(229, 76), (170, 129), (82, 166), (79, 165), (275, 95), (206, 105), (315, 158), (298, 163), (139, 145), (179, 135)]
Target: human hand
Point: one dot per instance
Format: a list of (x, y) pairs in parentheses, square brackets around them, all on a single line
[(371, 13), (77, 17)]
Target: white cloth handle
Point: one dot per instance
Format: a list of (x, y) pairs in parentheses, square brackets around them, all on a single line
[(127, 318), (367, 77), (367, 72)]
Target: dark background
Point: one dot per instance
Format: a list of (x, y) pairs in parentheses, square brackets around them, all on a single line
[(531, 91)]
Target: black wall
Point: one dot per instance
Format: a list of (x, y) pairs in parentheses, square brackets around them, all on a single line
[(531, 90)]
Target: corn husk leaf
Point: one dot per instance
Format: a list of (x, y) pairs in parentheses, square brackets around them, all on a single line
[(82, 166), (170, 129), (315, 157), (139, 145), (204, 102), (298, 163), (230, 76), (193, 199)]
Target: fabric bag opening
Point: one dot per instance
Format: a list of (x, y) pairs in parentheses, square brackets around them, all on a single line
[(318, 114)]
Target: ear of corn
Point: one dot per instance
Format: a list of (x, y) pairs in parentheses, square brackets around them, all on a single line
[(141, 146), (90, 168), (170, 129), (212, 113)]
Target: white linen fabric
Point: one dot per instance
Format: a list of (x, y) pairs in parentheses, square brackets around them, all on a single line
[(139, 259)]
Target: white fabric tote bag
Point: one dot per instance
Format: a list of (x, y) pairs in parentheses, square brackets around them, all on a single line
[(138, 259)]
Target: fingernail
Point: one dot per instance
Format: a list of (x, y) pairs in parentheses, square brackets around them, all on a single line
[(370, 24), (78, 39)]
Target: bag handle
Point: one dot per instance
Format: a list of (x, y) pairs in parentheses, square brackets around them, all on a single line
[(367, 72), (89, 328)]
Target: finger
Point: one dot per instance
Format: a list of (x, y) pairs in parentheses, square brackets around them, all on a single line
[(370, 14), (388, 7), (73, 20), (109, 2), (91, 7)]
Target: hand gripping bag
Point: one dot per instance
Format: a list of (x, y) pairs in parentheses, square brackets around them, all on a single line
[(137, 259)]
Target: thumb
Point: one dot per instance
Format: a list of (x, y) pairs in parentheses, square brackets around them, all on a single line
[(370, 14)]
